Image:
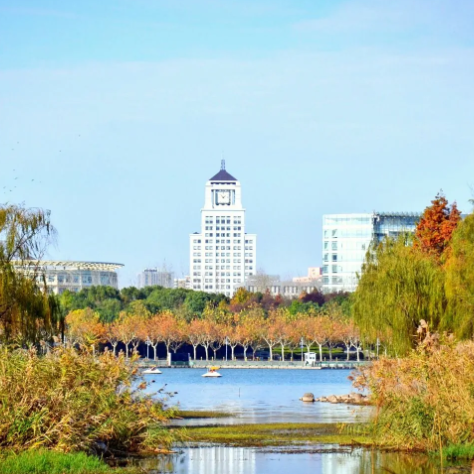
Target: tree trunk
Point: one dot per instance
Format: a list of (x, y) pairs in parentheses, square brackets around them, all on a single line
[(320, 352), (154, 351), (126, 349), (114, 350), (195, 350), (348, 346)]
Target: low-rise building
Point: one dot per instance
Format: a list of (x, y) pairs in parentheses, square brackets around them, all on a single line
[(276, 286), (183, 282), (314, 276)]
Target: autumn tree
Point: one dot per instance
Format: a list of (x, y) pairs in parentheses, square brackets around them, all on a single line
[(252, 322), (194, 331), (218, 339), (242, 299), (281, 328), (271, 330), (233, 337), (112, 335), (323, 329), (172, 331), (84, 327), (349, 336), (128, 328), (437, 224)]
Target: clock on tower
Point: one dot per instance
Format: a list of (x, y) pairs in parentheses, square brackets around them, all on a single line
[(223, 197)]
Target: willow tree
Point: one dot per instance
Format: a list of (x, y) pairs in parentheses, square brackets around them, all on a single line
[(399, 286), (460, 281), (28, 312)]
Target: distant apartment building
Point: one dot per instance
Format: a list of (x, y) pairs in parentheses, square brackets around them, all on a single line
[(346, 239), (183, 283), (222, 255), (74, 276), (155, 277)]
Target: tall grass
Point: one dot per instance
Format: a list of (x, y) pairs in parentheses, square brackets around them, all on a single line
[(424, 401), (50, 462), (71, 401)]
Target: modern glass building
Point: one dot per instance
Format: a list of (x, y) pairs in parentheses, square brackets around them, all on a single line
[(347, 237)]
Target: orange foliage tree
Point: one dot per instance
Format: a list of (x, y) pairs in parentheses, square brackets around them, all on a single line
[(433, 232), (194, 331), (84, 327), (172, 331)]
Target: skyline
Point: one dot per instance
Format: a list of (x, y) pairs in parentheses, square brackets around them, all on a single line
[(121, 114)]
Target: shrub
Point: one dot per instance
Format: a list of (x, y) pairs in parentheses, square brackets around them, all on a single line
[(426, 400), (69, 400)]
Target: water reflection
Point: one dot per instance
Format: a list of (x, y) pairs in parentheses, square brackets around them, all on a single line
[(225, 460)]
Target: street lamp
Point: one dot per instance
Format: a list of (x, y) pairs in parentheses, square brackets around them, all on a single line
[(226, 342)]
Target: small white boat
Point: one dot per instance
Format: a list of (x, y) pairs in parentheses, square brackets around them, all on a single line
[(212, 372), (152, 371)]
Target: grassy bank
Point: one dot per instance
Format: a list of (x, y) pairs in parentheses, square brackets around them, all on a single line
[(272, 434), (51, 462), (196, 414)]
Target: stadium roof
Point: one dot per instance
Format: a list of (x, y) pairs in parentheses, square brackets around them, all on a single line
[(74, 265)]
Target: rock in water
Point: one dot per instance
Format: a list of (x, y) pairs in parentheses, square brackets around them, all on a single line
[(308, 397)]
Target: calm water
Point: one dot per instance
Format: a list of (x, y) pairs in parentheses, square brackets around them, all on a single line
[(222, 460), (260, 396), (270, 396)]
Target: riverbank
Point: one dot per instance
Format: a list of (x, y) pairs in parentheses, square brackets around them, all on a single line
[(274, 434), (51, 462)]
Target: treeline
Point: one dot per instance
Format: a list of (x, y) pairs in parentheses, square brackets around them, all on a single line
[(249, 328), (427, 276), (109, 302)]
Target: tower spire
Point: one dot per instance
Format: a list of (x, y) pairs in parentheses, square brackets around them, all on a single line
[(223, 165)]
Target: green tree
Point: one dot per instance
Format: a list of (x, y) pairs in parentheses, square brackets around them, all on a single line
[(399, 286), (460, 281), (28, 312)]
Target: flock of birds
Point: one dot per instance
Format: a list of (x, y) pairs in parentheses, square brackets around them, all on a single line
[(10, 188)]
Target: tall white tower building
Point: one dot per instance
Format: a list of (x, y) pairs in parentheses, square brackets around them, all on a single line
[(222, 255)]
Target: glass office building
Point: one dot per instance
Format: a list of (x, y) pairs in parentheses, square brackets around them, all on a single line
[(346, 239)]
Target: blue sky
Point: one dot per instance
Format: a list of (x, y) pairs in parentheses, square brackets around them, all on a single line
[(113, 115)]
